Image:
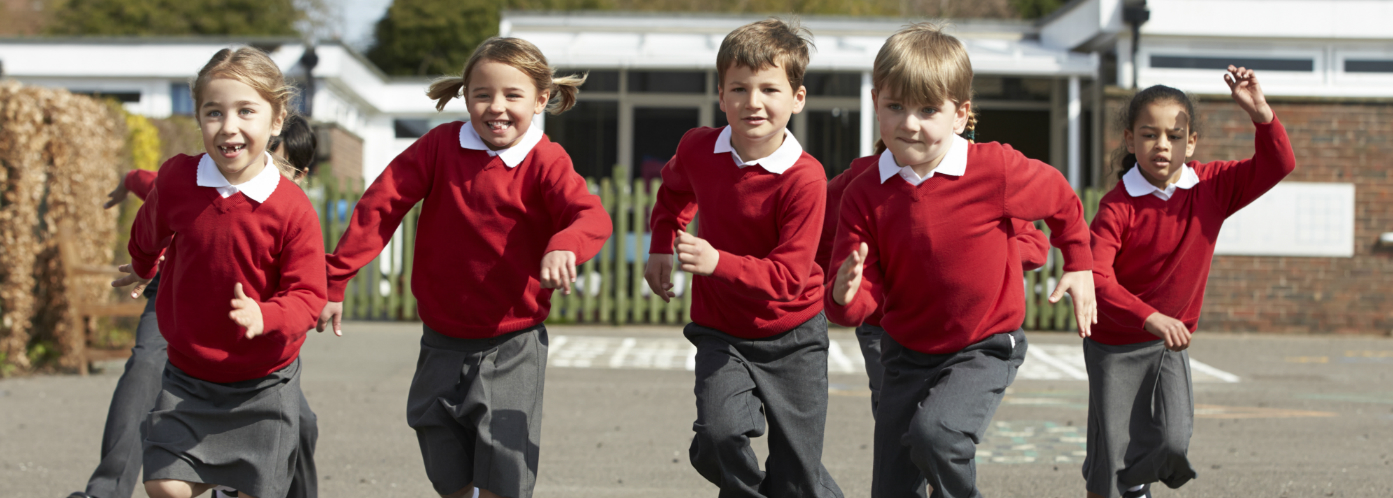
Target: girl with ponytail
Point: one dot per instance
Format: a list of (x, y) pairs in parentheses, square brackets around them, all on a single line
[(504, 220)]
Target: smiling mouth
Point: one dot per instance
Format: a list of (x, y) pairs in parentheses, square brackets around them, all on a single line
[(231, 149), (498, 125)]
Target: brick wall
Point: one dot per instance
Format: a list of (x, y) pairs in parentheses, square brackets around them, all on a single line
[(1347, 142), (343, 151)]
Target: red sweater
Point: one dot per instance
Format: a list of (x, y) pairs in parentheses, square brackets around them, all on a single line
[(274, 249), (941, 253), (1034, 247), (765, 226), (140, 181), (483, 230), (1152, 255)]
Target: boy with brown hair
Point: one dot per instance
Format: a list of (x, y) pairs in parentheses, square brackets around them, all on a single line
[(757, 319)]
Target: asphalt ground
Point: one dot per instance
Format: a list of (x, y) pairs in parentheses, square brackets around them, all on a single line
[(1277, 416)]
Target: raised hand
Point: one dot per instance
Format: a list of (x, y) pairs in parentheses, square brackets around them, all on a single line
[(332, 314), (658, 273), (848, 281), (131, 278), (1243, 84), (246, 312), (696, 254), (116, 196), (559, 270), (1079, 285), (1175, 333)]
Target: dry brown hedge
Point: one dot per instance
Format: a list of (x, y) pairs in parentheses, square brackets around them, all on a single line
[(59, 155)]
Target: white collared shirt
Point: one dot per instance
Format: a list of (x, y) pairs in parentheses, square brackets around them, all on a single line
[(1137, 185), (512, 156), (259, 188), (777, 163), (954, 163)]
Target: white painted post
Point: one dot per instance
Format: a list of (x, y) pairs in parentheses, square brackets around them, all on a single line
[(1075, 134), (867, 116)]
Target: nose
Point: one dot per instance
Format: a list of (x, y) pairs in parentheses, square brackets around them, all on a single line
[(1163, 143), (498, 105), (752, 100), (910, 124)]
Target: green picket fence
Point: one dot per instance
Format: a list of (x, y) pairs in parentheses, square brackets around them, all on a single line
[(610, 288)]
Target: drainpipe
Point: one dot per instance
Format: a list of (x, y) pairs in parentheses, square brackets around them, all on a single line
[(1135, 15)]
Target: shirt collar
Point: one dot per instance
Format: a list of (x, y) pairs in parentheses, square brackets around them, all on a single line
[(777, 163), (259, 188), (469, 138), (1137, 185), (954, 163)]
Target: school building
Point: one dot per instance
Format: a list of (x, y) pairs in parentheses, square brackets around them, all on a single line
[(1316, 254)]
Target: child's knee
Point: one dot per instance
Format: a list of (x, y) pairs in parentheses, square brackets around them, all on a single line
[(168, 488), (930, 440)]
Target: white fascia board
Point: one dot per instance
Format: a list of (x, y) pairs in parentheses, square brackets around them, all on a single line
[(106, 60), (368, 86), (1343, 19), (1082, 23)]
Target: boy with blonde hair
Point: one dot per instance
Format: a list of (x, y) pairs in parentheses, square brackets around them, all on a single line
[(757, 319)]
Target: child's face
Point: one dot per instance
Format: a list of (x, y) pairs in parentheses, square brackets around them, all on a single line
[(237, 124), (502, 101), (917, 133), (1161, 139), (758, 104)]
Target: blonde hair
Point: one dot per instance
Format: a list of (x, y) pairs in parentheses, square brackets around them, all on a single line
[(521, 55), (252, 67), (923, 65), (763, 44)]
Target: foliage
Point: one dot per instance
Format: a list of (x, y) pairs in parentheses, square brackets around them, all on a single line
[(143, 141), (174, 17), (1035, 9)]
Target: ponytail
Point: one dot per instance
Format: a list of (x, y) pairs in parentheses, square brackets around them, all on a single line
[(970, 131), (443, 90), (564, 90)]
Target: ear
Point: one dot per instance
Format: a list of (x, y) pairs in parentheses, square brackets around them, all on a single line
[(961, 115), (542, 98), (800, 99), (277, 123), (1190, 144), (1127, 140), (875, 100), (721, 97)]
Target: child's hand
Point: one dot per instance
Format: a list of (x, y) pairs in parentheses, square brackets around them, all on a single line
[(658, 273), (559, 270), (1176, 334), (848, 281), (1079, 285), (246, 312), (1248, 93), (116, 196), (131, 278), (331, 314), (696, 254)]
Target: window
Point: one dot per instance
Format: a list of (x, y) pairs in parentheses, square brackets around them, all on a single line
[(411, 128), (833, 84), (598, 81), (180, 99), (1221, 63), (122, 97), (833, 138), (1369, 65), (667, 81), (589, 132), (1005, 88)]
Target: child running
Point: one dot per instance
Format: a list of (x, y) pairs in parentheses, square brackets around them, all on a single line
[(119, 468), (1034, 250), (925, 237), (757, 319), (1153, 240), (505, 219), (240, 242)]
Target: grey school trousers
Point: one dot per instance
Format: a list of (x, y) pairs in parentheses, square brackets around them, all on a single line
[(868, 336), (118, 472), (934, 409), (741, 384)]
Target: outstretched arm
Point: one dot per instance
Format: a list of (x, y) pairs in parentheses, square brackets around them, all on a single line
[(1273, 158)]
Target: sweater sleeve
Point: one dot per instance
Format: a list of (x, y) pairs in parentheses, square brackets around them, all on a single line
[(302, 290), (673, 207), (375, 218), (835, 188), (782, 274), (582, 225), (150, 234), (1032, 244), (1246, 180), (139, 182), (1036, 191), (852, 229), (1115, 301)]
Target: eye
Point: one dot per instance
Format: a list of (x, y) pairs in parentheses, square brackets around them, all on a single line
[(894, 107), (214, 114), (515, 95), (771, 90), (929, 110), (245, 112)]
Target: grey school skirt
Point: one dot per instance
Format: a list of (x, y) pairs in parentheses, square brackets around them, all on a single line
[(243, 435), (1141, 412)]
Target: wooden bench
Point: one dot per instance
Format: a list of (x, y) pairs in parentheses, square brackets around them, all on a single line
[(81, 314)]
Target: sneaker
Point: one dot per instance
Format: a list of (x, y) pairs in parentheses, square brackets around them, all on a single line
[(1144, 492), (79, 494), (224, 492)]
